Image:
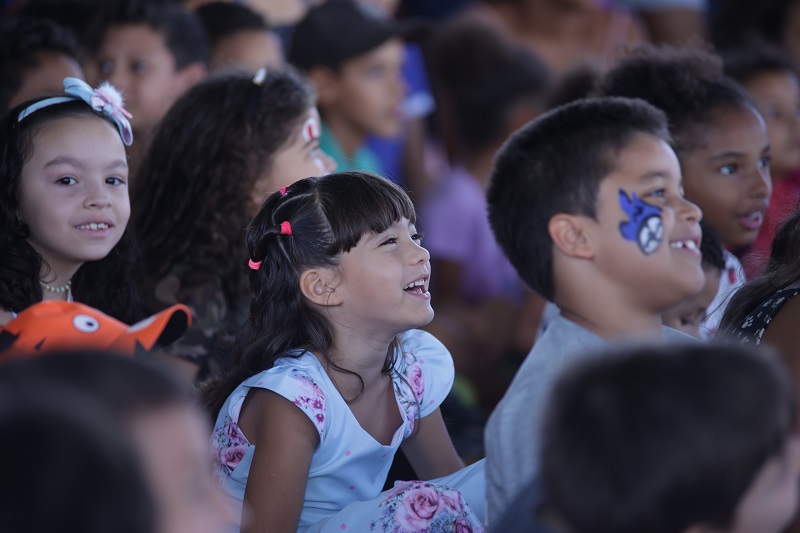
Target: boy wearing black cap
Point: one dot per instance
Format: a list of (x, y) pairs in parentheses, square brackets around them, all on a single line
[(354, 57)]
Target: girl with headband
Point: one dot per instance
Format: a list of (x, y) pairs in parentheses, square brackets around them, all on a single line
[(64, 204)]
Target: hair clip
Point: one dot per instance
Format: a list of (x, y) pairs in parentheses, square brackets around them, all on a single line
[(282, 190), (260, 76), (286, 228), (254, 265), (105, 99)]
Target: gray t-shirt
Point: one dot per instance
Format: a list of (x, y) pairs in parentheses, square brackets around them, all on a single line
[(512, 435)]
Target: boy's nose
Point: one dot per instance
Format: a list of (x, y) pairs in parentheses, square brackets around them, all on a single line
[(690, 211)]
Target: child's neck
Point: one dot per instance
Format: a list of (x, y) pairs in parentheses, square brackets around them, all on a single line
[(347, 135), (57, 280), (363, 354), (610, 318)]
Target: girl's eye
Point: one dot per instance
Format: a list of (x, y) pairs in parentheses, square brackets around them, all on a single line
[(66, 180), (764, 162), (390, 240), (417, 237), (106, 67), (138, 67), (115, 181), (728, 170)]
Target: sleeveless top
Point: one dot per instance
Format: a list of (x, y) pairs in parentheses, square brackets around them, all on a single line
[(752, 327)]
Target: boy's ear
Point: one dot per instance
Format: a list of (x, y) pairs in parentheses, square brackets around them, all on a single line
[(571, 236), (319, 286), (191, 74), (326, 83)]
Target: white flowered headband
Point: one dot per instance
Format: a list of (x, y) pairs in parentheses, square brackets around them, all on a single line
[(105, 99)]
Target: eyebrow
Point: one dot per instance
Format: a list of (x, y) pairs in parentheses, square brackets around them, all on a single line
[(654, 175), (67, 160)]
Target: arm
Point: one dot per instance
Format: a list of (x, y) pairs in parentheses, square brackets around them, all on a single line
[(276, 484), (430, 450)]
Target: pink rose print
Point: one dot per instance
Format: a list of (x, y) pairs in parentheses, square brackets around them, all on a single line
[(463, 527), (231, 457), (418, 509), (416, 380)]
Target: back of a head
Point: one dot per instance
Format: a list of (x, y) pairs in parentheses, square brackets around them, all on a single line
[(650, 439), (482, 76), (689, 85), (540, 172), (222, 19), (305, 225), (22, 40), (68, 466), (181, 29), (754, 59), (126, 387)]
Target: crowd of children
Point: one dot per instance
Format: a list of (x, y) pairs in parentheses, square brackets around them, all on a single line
[(516, 269)]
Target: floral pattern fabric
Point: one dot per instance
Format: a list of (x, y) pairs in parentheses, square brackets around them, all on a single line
[(349, 467), (753, 326)]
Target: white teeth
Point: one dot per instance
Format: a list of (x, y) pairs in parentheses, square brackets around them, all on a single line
[(94, 226), (691, 245), (418, 283)]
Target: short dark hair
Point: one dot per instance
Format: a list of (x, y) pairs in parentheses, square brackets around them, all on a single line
[(652, 438), (21, 40), (483, 74), (555, 165), (183, 33), (689, 85), (221, 19), (745, 63)]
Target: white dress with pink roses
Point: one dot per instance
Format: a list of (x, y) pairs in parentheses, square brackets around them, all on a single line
[(349, 467)]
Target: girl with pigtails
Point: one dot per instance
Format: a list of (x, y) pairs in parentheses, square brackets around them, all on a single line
[(329, 376)]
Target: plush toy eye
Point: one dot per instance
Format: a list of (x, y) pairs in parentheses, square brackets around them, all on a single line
[(85, 323)]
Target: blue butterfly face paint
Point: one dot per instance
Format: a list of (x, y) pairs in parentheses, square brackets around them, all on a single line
[(644, 225)]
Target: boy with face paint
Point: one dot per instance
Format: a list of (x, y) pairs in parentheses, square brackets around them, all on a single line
[(605, 233)]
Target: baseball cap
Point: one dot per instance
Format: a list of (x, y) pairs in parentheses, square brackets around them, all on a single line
[(336, 30), (57, 325)]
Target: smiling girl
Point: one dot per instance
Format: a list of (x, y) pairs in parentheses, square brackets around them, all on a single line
[(329, 377), (64, 203)]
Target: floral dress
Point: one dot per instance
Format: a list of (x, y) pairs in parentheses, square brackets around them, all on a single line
[(349, 467), (752, 327)]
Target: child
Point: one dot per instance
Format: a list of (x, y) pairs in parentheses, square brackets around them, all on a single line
[(239, 38), (608, 237), (35, 57), (770, 79), (152, 51), (155, 415), (358, 78), (652, 440), (64, 207), (265, 132), (329, 355), (487, 87), (688, 315), (721, 142)]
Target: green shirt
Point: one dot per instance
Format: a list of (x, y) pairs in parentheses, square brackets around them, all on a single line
[(363, 159)]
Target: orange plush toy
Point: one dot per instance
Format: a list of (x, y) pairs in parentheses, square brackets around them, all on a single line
[(56, 325)]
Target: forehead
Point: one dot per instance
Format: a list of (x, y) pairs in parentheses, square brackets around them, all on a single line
[(773, 83), (134, 38), (642, 160), (734, 128), (82, 136)]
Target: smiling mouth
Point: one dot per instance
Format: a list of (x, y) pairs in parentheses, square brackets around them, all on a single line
[(416, 287), (687, 244), (753, 221), (94, 226)]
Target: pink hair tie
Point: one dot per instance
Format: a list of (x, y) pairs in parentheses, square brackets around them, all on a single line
[(286, 228), (283, 191), (254, 265)]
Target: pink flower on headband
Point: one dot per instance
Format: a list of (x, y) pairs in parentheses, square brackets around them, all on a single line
[(286, 228), (283, 191), (254, 265)]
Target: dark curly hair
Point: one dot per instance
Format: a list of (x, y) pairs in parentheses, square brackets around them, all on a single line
[(737, 22), (328, 216), (105, 284), (687, 84), (190, 196), (21, 40)]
